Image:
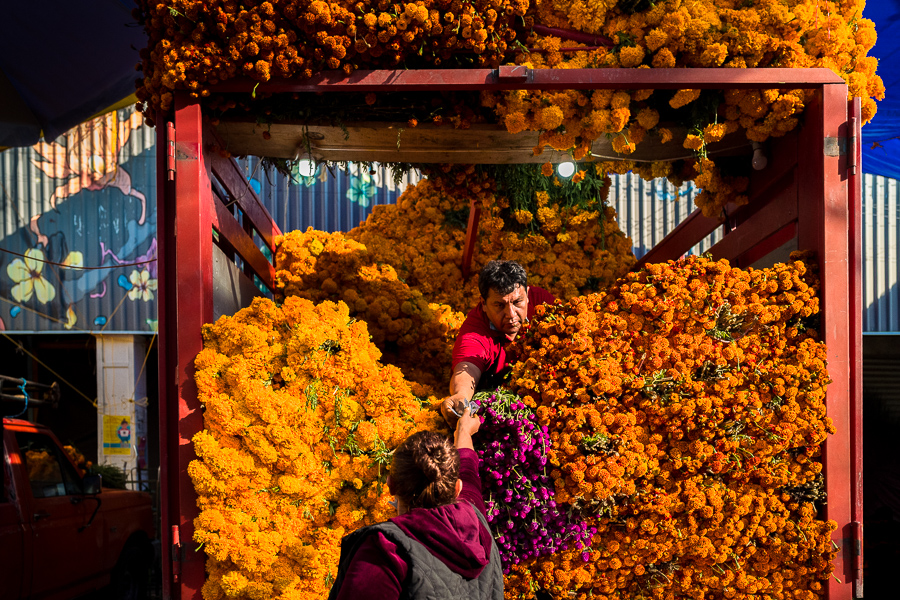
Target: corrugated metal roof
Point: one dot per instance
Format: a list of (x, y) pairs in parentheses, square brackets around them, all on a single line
[(88, 197), (649, 210), (335, 199), (881, 298)]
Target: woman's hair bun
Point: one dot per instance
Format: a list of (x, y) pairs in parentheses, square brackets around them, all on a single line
[(425, 470)]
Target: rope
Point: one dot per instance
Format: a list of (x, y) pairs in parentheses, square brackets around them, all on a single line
[(24, 393), (57, 375), (110, 317), (61, 322), (38, 313), (65, 292), (56, 264), (144, 402)]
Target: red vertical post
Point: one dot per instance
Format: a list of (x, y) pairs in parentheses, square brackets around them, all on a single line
[(856, 351), (824, 227), (165, 206), (186, 251), (471, 238)]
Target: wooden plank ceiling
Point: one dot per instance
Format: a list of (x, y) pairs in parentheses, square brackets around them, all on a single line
[(430, 143)]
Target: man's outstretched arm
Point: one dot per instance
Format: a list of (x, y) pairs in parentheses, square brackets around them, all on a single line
[(463, 382)]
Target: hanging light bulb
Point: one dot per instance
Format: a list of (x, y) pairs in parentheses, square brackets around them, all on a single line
[(566, 169), (306, 167), (760, 160)]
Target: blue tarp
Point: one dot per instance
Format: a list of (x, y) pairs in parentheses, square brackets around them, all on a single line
[(881, 136)]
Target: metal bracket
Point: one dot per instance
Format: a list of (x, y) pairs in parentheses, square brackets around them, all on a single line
[(514, 73), (835, 146), (170, 151), (856, 556), (175, 554), (844, 146)]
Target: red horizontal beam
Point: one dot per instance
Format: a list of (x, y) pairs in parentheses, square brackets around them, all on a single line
[(516, 78), (770, 216), (239, 190), (681, 239), (235, 236), (765, 247)]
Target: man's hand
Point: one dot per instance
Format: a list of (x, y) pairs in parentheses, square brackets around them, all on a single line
[(452, 407)]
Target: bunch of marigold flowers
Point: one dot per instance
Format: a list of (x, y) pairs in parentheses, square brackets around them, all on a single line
[(676, 34), (410, 330), (81, 463), (561, 230), (679, 416), (300, 421), (400, 270), (686, 410), (195, 44)]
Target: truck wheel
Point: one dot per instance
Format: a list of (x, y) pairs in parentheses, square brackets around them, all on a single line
[(131, 575)]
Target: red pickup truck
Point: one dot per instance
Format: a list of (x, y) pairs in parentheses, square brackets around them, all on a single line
[(61, 534)]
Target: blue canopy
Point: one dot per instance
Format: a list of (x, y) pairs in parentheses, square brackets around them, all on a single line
[(881, 136), (62, 62)]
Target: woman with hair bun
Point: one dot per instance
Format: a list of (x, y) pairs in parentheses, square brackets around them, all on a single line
[(439, 544)]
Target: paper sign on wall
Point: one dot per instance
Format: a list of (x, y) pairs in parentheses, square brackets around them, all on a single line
[(116, 435)]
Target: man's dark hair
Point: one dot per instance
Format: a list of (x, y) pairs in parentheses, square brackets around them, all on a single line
[(501, 276)]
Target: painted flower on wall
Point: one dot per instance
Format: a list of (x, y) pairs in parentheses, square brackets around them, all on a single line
[(362, 188), (27, 275), (71, 317), (142, 286), (74, 260)]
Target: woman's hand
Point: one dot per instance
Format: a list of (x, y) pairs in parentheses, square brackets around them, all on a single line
[(466, 427), (468, 422)]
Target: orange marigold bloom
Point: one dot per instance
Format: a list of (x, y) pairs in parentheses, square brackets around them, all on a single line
[(683, 97), (551, 117), (648, 118)]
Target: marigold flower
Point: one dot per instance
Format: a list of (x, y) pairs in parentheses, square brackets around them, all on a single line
[(631, 56), (551, 117), (683, 97), (693, 142)]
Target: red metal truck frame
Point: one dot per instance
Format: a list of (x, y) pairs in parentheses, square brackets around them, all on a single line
[(809, 192)]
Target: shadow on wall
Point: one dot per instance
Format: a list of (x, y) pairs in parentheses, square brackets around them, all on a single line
[(881, 464)]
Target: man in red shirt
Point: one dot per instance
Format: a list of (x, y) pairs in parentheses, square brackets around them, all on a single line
[(480, 360)]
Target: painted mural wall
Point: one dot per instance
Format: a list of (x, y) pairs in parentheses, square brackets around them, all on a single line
[(78, 238), (78, 226)]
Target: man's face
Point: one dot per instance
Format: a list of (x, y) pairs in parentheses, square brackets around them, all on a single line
[(508, 312)]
